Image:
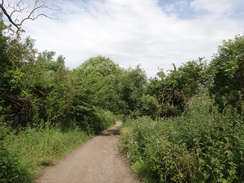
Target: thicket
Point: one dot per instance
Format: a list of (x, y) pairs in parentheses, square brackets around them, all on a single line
[(201, 145), (170, 93), (198, 132)]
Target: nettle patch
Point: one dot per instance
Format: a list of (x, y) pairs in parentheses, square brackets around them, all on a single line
[(202, 145)]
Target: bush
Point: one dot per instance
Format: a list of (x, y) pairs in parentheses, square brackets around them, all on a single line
[(93, 120), (202, 145)]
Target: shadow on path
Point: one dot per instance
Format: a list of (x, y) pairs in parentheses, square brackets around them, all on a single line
[(112, 131)]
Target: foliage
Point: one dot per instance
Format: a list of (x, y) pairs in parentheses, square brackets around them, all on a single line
[(95, 82), (131, 88), (228, 64), (42, 102), (10, 168), (202, 145), (149, 105), (10, 77), (37, 88), (45, 113), (92, 119), (101, 82), (48, 90), (102, 86), (174, 90), (27, 152)]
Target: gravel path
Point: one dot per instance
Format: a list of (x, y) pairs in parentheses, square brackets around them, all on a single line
[(97, 161)]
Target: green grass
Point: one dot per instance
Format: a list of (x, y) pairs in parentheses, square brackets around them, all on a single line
[(36, 149), (25, 155), (201, 146)]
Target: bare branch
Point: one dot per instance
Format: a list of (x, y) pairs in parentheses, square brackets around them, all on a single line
[(18, 13), (9, 17)]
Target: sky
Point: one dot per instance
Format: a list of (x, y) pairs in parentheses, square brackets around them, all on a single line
[(150, 33)]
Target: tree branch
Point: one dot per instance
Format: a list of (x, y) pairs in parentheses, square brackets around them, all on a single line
[(11, 11), (8, 16)]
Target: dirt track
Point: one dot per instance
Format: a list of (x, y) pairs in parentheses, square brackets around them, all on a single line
[(97, 161)]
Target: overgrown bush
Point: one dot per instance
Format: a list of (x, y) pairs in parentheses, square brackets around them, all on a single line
[(202, 145)]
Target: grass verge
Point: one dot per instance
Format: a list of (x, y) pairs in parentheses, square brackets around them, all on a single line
[(31, 150), (24, 156)]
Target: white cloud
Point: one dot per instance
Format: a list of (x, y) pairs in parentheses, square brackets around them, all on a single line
[(216, 6), (132, 32)]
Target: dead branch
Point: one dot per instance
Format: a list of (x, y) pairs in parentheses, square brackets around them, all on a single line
[(19, 12)]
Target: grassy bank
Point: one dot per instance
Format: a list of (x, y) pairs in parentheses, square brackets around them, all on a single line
[(31, 150), (25, 155), (202, 145)]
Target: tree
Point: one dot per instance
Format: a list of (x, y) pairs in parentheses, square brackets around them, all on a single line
[(10, 74), (5, 65), (32, 88), (228, 66), (175, 89), (101, 82), (96, 81), (131, 88)]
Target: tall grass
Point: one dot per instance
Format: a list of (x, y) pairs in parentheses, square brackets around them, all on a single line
[(202, 145), (25, 155), (35, 149)]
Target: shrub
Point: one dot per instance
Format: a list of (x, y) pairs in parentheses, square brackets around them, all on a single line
[(202, 145)]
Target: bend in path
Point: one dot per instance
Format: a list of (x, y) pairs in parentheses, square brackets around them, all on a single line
[(96, 161)]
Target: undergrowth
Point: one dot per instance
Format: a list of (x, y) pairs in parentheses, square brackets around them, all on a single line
[(200, 146), (33, 149), (25, 155)]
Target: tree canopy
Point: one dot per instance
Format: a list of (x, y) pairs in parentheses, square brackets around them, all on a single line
[(228, 66)]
